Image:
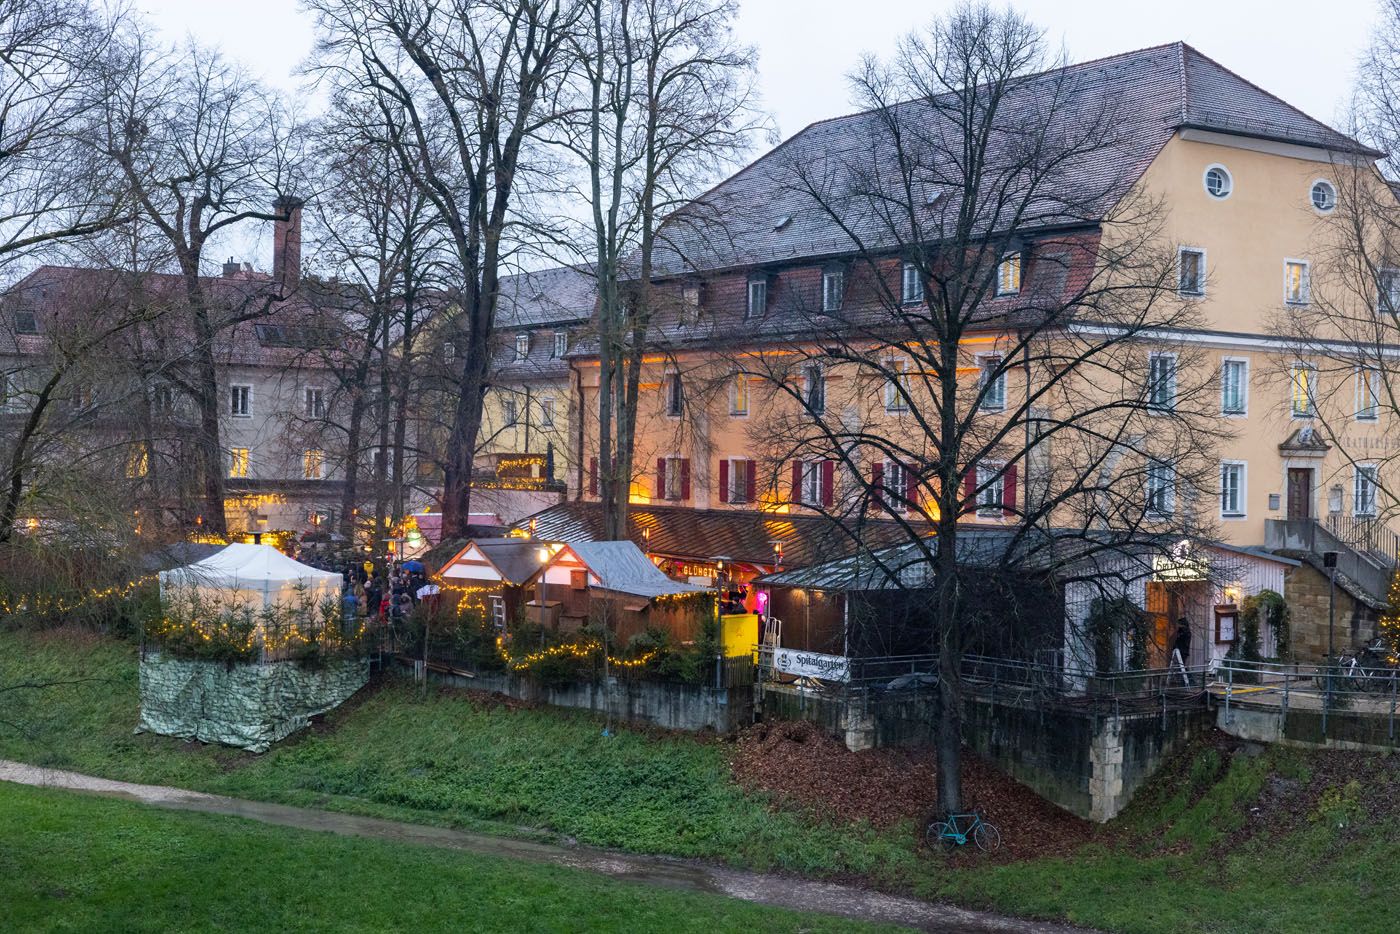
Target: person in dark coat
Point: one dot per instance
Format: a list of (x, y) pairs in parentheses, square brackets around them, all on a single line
[(1182, 643)]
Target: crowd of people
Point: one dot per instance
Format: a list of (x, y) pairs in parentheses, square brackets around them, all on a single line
[(387, 594)]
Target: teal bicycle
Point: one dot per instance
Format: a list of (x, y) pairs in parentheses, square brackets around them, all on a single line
[(958, 829)]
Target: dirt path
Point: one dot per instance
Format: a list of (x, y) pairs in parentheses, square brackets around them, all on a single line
[(784, 892)]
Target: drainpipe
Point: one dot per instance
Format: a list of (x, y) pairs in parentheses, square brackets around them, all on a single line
[(576, 378)]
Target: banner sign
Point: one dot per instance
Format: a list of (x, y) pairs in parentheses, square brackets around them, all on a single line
[(812, 665)]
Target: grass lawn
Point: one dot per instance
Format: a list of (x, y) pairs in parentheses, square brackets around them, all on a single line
[(1184, 857), (70, 862)]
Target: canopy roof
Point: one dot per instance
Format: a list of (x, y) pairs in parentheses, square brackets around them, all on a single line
[(246, 567), (624, 568)]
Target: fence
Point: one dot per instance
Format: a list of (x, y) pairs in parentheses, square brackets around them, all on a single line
[(1367, 534), (1346, 701)]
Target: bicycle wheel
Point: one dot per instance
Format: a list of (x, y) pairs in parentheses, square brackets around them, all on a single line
[(941, 834), (987, 837)]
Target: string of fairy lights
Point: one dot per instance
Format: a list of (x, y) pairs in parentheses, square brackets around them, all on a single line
[(245, 639), (43, 603)]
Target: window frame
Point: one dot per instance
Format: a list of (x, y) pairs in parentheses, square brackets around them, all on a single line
[(1200, 290), (894, 486), (739, 395), (313, 464), (810, 494), (991, 490), (986, 362), (1367, 387), (756, 308), (1241, 489), (546, 411), (675, 394), (510, 412), (1153, 406), (1009, 260), (1243, 363), (911, 284), (1305, 297), (1369, 474), (1388, 299), (671, 480), (561, 345), (239, 460), (833, 289), (31, 315), (814, 386), (1229, 181), (1309, 390), (522, 346), (307, 409), (1161, 472), (247, 400), (738, 491), (1331, 188), (897, 402)]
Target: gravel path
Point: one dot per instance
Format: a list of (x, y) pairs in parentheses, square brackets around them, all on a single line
[(780, 891)]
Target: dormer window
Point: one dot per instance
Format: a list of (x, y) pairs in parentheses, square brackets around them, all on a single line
[(522, 347), (758, 298), (690, 296), (26, 322), (833, 289), (561, 343), (1009, 274), (911, 285)]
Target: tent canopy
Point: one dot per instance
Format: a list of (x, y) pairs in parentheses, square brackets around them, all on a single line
[(257, 574)]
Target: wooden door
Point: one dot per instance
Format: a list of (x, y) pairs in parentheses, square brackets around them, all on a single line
[(1300, 492), (1159, 608)]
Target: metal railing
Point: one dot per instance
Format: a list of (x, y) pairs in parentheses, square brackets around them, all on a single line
[(1347, 699), (1312, 537), (1369, 535)]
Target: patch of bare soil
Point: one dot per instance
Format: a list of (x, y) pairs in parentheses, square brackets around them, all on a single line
[(802, 766)]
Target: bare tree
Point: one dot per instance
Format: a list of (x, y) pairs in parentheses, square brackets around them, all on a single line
[(979, 340), (201, 149), (465, 88), (668, 104)]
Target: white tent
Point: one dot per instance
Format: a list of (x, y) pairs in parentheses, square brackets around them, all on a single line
[(250, 576)]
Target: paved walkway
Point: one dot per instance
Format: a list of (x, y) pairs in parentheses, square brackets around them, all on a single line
[(779, 891)]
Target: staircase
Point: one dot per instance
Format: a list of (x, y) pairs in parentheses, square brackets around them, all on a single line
[(1366, 548)]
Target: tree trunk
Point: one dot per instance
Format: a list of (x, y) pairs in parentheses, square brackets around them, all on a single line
[(14, 492)]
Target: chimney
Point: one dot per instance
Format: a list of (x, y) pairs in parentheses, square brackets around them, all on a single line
[(232, 268), (286, 244)]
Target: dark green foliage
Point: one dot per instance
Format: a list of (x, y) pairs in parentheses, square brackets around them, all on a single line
[(1111, 622)]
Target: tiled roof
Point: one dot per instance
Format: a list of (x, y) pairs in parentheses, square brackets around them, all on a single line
[(701, 534), (541, 303), (625, 568), (761, 215)]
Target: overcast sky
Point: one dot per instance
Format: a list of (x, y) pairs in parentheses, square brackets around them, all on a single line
[(1303, 53)]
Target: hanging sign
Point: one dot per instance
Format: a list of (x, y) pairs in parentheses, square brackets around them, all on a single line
[(1181, 564), (812, 665)]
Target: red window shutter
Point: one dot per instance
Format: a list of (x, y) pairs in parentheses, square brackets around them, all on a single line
[(660, 478), (685, 478), (970, 489), (911, 487), (877, 483), (723, 480), (750, 481), (593, 476), (797, 481), (828, 483), (1008, 491)]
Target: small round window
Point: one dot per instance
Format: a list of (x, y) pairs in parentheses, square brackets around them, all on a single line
[(1323, 195), (1218, 182)]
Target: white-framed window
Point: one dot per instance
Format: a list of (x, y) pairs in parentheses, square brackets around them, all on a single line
[(1217, 181), (1232, 489), (1323, 196), (1234, 387), (238, 463), (911, 289), (811, 493), (1161, 382), (1302, 392), (1161, 489), (991, 490), (690, 296), (673, 478), (1368, 394), (561, 343), (739, 394), (1191, 271), (1009, 274), (897, 386), (313, 464), (547, 412), (896, 486), (522, 347), (814, 388), (313, 402), (738, 481), (240, 401), (510, 416), (449, 351), (991, 381), (1388, 291), (1363, 501), (833, 289), (675, 395), (758, 298), (1297, 285)]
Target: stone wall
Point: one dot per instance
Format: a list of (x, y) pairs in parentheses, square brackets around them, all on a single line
[(250, 706), (1306, 590)]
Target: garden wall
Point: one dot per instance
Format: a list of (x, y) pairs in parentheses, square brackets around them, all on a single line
[(246, 705)]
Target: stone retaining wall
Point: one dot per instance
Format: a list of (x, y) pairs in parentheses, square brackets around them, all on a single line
[(249, 706)]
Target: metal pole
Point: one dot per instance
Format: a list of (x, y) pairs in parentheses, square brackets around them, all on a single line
[(1330, 560), (1229, 689), (1392, 705)]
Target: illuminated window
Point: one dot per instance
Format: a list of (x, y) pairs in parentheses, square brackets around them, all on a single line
[(833, 289), (240, 401), (1234, 387), (1368, 394), (238, 463), (1296, 286), (739, 395), (1191, 271), (897, 386), (912, 285), (1303, 390), (313, 464), (138, 461), (1009, 274), (991, 381)]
